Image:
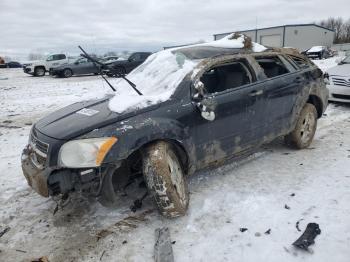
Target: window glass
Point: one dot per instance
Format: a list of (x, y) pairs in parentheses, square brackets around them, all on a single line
[(272, 66), (221, 78), (49, 58)]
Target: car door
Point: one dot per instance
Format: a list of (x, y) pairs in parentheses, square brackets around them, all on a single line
[(235, 94), (282, 86)]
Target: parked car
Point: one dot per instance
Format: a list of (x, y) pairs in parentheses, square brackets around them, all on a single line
[(319, 52), (13, 64), (123, 67), (80, 66), (200, 105), (39, 68), (338, 81)]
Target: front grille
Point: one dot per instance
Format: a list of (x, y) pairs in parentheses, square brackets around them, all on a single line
[(341, 96), (338, 81), (40, 150), (39, 145)]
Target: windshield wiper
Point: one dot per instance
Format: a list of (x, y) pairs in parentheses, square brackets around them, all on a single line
[(94, 61)]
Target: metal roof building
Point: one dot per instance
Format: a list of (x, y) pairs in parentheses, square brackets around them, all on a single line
[(300, 36)]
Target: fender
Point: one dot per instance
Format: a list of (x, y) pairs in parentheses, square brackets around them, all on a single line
[(133, 134)]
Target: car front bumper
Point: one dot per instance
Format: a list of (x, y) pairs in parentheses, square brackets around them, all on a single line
[(28, 70), (35, 174), (339, 93)]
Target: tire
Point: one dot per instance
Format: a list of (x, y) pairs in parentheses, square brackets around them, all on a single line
[(117, 71), (165, 181), (67, 73), (304, 132), (39, 71)]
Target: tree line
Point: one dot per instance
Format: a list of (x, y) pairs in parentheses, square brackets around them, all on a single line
[(340, 26)]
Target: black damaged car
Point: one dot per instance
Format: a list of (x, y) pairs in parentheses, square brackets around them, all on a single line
[(197, 106)]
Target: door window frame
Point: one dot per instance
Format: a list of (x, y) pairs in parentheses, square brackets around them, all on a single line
[(230, 60)]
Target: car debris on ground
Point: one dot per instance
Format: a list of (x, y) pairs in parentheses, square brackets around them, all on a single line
[(308, 237), (163, 251)]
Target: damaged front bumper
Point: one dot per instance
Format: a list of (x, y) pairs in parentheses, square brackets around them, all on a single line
[(48, 181), (34, 171)]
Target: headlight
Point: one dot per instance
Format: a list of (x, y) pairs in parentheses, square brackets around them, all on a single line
[(85, 152)]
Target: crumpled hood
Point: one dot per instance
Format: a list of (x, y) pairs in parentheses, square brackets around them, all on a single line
[(80, 118), (340, 70)]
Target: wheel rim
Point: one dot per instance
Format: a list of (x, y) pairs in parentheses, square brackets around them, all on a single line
[(307, 127), (67, 73), (177, 178)]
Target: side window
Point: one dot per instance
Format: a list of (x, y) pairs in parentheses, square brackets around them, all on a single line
[(49, 58), (302, 63), (272, 66), (224, 77), (61, 56)]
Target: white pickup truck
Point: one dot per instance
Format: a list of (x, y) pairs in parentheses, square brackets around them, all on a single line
[(40, 67)]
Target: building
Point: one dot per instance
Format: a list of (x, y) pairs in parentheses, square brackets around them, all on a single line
[(301, 36)]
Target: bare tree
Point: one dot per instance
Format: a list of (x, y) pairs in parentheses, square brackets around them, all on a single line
[(341, 28)]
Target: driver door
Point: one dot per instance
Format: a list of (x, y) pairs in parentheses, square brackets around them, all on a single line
[(236, 98)]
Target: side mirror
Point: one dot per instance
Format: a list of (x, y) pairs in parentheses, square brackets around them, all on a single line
[(206, 105)]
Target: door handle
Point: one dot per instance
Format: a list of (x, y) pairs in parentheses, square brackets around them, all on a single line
[(256, 93)]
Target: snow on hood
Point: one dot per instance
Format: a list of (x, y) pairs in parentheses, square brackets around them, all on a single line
[(158, 77), (315, 49)]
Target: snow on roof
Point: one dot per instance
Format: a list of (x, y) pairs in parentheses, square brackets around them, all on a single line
[(315, 49), (158, 77)]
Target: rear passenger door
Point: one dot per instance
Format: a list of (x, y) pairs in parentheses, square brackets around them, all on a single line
[(282, 85)]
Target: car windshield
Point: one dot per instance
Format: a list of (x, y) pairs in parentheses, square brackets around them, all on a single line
[(157, 79), (346, 60)]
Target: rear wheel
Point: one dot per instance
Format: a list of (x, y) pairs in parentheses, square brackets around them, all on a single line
[(164, 177), (303, 134), (67, 73), (39, 71)]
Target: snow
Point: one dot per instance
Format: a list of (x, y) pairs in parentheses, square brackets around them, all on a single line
[(325, 64), (315, 49), (247, 193), (158, 77)]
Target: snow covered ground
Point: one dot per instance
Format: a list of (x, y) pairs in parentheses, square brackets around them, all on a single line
[(250, 193)]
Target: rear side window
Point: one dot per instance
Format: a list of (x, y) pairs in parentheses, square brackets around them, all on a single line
[(272, 66), (225, 77), (301, 63)]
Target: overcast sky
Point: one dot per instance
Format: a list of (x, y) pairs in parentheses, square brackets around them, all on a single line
[(99, 25)]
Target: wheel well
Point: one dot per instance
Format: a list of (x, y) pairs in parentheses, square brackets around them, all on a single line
[(39, 67), (136, 156), (316, 101)]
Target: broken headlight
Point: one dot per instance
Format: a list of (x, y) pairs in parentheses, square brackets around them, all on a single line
[(85, 152)]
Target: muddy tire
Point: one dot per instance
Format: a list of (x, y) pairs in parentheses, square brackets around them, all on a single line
[(303, 134), (164, 177)]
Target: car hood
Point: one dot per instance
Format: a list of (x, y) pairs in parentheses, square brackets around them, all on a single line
[(340, 70), (80, 118)]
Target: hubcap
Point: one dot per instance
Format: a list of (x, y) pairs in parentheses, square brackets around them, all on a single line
[(40, 71), (67, 73), (307, 127), (176, 178)]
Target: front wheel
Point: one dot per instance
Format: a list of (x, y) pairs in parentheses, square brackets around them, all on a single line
[(303, 134), (39, 71), (164, 177)]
